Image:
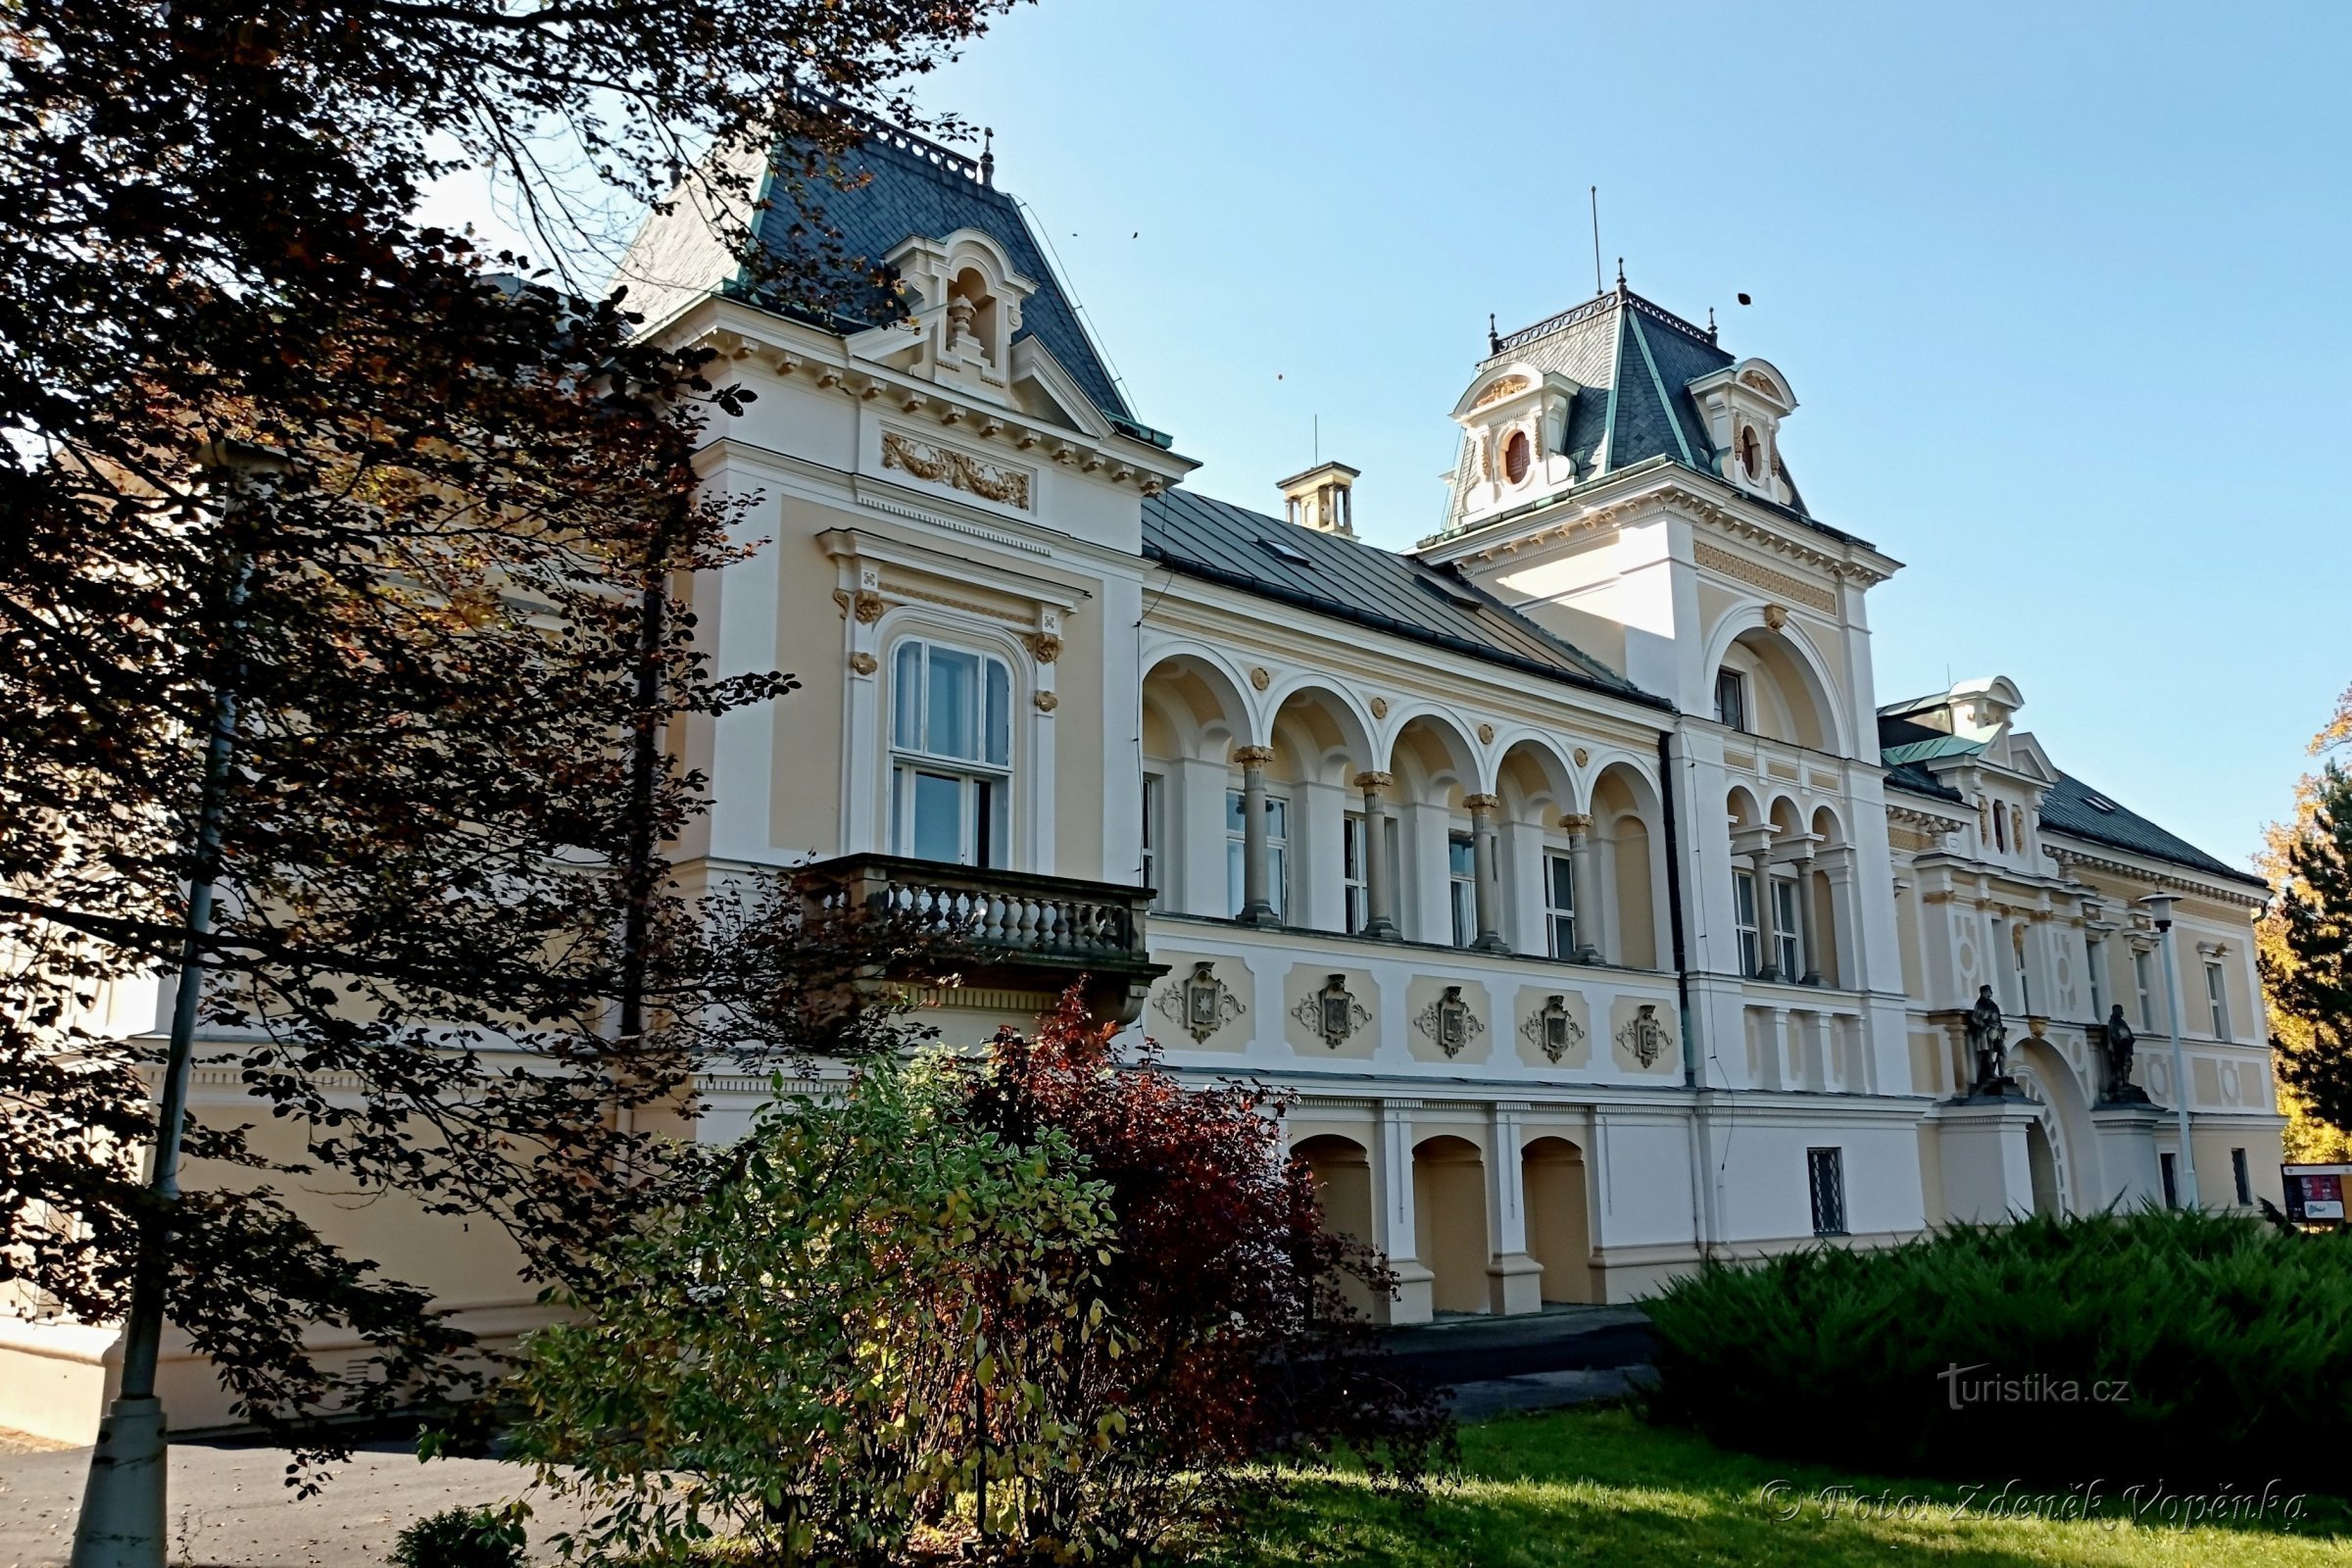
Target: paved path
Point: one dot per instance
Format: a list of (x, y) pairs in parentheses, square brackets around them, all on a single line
[(1536, 1361), (230, 1507)]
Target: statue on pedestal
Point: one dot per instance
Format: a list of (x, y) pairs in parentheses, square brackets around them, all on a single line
[(2120, 1089), (1988, 1040)]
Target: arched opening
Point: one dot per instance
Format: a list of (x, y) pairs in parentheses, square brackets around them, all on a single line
[(1547, 907), (1517, 458), (1632, 869), (2069, 1138), (1435, 771), (1341, 1171), (1751, 452), (1559, 1230), (1774, 692), (1193, 718), (2041, 1162), (1321, 745), (1449, 1222)]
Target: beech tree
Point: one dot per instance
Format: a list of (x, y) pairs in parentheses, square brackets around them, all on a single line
[(446, 936), (2304, 946)]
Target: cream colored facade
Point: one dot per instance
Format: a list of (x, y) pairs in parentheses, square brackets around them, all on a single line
[(1569, 872)]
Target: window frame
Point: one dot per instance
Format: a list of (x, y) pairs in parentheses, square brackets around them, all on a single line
[(1786, 929), (1155, 833), (983, 780), (1461, 887), (1732, 716), (1559, 912), (1278, 854), (2168, 1170), (1825, 1189), (2216, 998), (2144, 986), (1355, 883), (2241, 1175), (1744, 925)]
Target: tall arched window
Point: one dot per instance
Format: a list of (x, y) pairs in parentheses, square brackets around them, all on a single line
[(950, 742)]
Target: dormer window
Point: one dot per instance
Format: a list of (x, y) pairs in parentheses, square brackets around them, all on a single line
[(1518, 456)]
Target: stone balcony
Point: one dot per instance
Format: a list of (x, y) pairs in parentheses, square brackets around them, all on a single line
[(1013, 930)]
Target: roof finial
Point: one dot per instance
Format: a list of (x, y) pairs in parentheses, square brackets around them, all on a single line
[(988, 155), (1710, 323), (1493, 338), (1620, 275)]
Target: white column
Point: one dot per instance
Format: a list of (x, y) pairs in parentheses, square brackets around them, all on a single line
[(1257, 907), (1485, 875), (1586, 889), (1514, 1280), (1838, 866)]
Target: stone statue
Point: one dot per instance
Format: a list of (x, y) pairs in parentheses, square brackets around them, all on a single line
[(2118, 1044), (1987, 1038)]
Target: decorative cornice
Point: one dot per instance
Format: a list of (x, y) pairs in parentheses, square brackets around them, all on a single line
[(1717, 559), (2067, 857)]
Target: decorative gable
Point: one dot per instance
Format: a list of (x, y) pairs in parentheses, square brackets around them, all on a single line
[(1514, 421), (965, 299), (1743, 405)]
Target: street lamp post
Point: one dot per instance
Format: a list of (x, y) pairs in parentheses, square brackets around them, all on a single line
[(2160, 906), (124, 1506)]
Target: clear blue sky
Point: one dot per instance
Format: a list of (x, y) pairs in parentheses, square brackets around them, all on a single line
[(2059, 288)]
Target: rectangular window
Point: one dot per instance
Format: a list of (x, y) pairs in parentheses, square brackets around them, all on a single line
[(1824, 1171), (1155, 790), (1355, 896), (1559, 903), (1278, 853), (2141, 985), (2172, 1180), (950, 728), (2243, 1177), (1785, 929), (1461, 875), (2098, 951), (1731, 699), (1743, 917), (2216, 996)]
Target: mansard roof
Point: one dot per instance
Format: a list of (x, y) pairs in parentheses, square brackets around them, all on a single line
[(1363, 584), (1635, 360), (903, 187), (2069, 806)]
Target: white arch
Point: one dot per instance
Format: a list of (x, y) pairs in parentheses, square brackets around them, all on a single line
[(1748, 616), (1472, 764), (1223, 676)]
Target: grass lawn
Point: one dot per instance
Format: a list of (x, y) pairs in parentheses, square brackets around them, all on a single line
[(1603, 1486)]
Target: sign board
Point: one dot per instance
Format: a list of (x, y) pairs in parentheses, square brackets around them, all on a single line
[(2314, 1193)]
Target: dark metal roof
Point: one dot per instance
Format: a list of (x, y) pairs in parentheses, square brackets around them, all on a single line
[(920, 188), (2069, 809), (1353, 581)]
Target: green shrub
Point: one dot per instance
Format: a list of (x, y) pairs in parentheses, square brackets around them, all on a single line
[(2175, 1346), (460, 1538), (804, 1356)]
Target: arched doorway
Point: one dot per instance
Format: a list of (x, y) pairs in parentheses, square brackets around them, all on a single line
[(1559, 1231), (2061, 1158), (1449, 1222), (1342, 1170)]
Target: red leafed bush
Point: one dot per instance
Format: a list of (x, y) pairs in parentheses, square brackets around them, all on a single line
[(1225, 1284)]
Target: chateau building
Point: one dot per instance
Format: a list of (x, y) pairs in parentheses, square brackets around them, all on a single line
[(1567, 867)]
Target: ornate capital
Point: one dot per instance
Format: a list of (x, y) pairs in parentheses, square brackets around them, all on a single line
[(1044, 647), (867, 607), (1574, 822), (1370, 781), (1253, 755), (1482, 805)]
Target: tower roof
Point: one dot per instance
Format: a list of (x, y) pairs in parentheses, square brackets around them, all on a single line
[(1635, 361)]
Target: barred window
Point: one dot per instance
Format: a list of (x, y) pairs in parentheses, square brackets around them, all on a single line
[(1825, 1170)]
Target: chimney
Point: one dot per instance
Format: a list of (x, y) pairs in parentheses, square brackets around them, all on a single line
[(1322, 499)]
